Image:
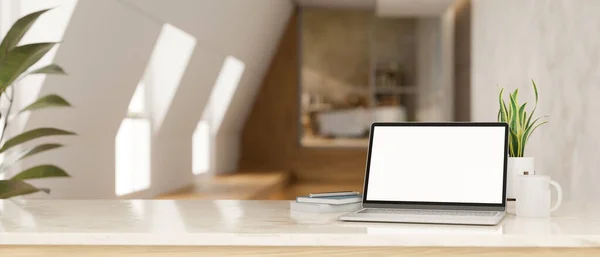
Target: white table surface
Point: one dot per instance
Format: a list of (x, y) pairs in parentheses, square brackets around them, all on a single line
[(267, 223)]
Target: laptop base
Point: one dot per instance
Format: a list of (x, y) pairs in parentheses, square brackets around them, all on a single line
[(489, 218)]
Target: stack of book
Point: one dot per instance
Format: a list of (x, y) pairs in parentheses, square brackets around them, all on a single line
[(328, 202)]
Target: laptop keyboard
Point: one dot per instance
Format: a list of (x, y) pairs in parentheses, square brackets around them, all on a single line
[(430, 212)]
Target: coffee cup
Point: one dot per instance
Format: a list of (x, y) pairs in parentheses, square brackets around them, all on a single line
[(533, 196)]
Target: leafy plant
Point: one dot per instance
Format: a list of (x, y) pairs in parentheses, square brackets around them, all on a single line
[(520, 125), (15, 64)]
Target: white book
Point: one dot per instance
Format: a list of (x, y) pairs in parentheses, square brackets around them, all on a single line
[(324, 208), (336, 199)]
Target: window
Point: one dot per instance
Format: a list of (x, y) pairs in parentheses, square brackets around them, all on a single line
[(132, 147)]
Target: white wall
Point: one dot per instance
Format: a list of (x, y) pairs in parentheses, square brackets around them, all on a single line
[(435, 62), (105, 50), (246, 30), (555, 42)]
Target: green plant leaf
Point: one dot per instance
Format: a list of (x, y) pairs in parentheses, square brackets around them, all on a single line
[(525, 137), (534, 128), (535, 121), (42, 171), (513, 145), (515, 95), (17, 31), (49, 69), (503, 111), (47, 101), (19, 59), (26, 153), (12, 188), (522, 115), (535, 91), (520, 125), (38, 149), (522, 146), (33, 134), (514, 125)]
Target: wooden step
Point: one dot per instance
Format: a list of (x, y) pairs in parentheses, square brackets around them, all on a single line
[(242, 185)]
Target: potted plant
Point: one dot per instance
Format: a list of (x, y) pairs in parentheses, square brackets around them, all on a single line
[(15, 63), (521, 126)]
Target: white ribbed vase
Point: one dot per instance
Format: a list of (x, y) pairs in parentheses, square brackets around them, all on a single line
[(517, 166)]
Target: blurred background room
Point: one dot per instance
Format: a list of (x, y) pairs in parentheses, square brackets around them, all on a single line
[(271, 99)]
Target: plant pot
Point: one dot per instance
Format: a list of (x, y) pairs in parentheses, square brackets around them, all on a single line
[(517, 166)]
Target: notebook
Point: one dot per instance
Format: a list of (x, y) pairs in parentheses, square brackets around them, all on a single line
[(341, 199)]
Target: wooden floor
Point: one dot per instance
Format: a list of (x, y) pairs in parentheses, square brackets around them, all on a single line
[(243, 185), (256, 185), (181, 251)]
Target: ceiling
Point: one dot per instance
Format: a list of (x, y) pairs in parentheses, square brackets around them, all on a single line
[(387, 8)]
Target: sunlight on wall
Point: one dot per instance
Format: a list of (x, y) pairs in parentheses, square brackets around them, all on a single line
[(132, 147), (225, 86), (200, 148), (148, 106), (138, 101), (203, 148), (50, 27), (3, 169), (167, 65)]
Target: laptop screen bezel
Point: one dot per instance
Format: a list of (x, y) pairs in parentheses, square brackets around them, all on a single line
[(435, 205)]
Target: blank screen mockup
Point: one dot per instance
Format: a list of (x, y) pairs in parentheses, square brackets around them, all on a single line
[(445, 164)]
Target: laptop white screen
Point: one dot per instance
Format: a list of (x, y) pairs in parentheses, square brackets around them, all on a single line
[(444, 164)]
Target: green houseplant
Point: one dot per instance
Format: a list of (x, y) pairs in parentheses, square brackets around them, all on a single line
[(15, 63), (521, 126)]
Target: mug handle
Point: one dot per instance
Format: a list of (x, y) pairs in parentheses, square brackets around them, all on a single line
[(559, 193)]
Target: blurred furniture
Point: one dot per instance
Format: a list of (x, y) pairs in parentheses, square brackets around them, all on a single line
[(268, 228), (343, 123), (356, 122), (379, 66)]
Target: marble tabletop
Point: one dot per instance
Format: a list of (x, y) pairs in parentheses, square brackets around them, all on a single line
[(267, 223)]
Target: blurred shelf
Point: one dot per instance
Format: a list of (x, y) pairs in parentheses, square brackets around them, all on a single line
[(396, 90), (317, 107)]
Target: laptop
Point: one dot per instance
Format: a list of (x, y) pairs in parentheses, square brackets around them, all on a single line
[(443, 173)]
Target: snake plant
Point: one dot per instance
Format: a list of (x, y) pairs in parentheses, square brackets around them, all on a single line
[(15, 63), (520, 124)]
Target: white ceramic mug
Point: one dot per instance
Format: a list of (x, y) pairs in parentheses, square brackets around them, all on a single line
[(533, 196)]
